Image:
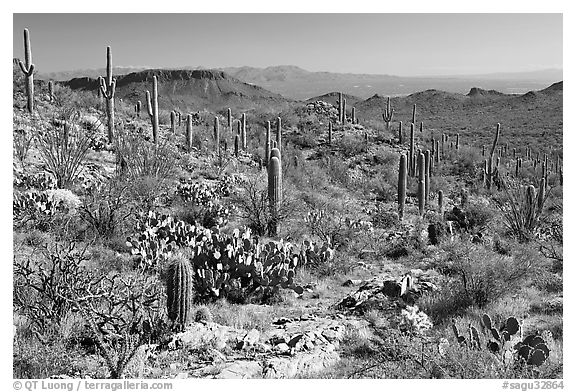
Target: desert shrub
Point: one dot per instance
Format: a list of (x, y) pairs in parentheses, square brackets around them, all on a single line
[(351, 146), (138, 158), (253, 205), (335, 228), (63, 146), (482, 275), (22, 142), (148, 193), (106, 207), (202, 205)]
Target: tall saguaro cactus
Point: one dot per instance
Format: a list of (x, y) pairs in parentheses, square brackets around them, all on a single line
[(353, 115), (179, 291), (279, 134), (340, 106), (414, 114), (490, 170), (28, 69), (329, 133), (400, 133), (229, 116), (51, 91), (243, 134), (217, 135), (173, 121), (152, 105), (268, 141), (427, 169), (108, 89), (440, 202), (274, 190), (402, 180), (189, 132), (388, 114), (421, 184), (411, 169)]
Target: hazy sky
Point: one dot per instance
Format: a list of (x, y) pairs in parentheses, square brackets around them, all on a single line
[(399, 44)]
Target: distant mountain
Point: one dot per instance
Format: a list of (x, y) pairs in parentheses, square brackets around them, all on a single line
[(90, 73), (190, 90), (297, 83), (332, 98)]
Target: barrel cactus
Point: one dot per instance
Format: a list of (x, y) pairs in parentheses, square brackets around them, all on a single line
[(179, 290)]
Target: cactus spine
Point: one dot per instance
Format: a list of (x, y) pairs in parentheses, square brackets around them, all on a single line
[(421, 184), (152, 105), (189, 132), (402, 179), (388, 114), (217, 135), (179, 291), (274, 190), (108, 89), (28, 69)]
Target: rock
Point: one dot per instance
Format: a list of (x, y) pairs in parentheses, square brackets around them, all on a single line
[(282, 347), (252, 337), (181, 375), (241, 369), (352, 282), (295, 340)]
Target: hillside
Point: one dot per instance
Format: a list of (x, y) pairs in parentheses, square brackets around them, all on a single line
[(190, 90)]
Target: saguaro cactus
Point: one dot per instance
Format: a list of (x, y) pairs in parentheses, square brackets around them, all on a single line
[(108, 89), (411, 155), (421, 127), (217, 135), (387, 115), (229, 116), (353, 115), (173, 121), (274, 190), (402, 180), (267, 146), (51, 90), (189, 132), (491, 171), (421, 184), (179, 291), (427, 168), (440, 202), (152, 105), (28, 69), (414, 114), (138, 108), (400, 133), (279, 134), (344, 111), (243, 133), (457, 141), (329, 133)]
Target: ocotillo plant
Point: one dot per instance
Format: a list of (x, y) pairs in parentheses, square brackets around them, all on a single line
[(402, 180), (108, 89), (279, 134), (440, 202), (217, 135), (179, 291), (28, 69), (243, 134), (421, 184), (411, 169), (267, 146), (400, 133), (51, 90), (274, 190), (152, 105), (426, 176), (492, 171), (329, 133), (414, 114), (388, 114), (173, 121), (189, 132)]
